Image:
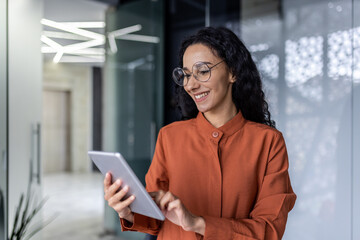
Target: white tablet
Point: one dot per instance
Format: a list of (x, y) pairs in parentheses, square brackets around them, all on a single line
[(119, 169)]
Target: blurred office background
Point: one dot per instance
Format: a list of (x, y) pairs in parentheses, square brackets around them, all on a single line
[(77, 75)]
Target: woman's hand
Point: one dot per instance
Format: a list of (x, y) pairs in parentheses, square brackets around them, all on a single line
[(176, 212), (114, 197)]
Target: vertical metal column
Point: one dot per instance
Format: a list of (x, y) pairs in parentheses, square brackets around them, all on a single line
[(355, 124)]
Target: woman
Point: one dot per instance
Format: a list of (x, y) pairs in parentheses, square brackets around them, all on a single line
[(222, 174)]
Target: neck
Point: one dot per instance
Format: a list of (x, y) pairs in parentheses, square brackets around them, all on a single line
[(218, 119)]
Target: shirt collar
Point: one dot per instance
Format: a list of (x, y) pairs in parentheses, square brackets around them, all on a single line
[(229, 128)]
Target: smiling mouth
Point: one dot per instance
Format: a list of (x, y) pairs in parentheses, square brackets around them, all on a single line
[(201, 96)]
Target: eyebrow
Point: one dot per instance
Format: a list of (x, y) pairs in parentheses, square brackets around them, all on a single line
[(185, 68)]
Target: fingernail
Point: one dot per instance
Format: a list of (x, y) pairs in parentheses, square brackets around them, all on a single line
[(118, 182), (132, 197), (126, 188)]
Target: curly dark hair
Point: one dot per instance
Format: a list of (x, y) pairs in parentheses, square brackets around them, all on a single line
[(247, 93)]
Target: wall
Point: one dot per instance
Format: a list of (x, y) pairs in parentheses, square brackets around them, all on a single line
[(133, 89), (3, 120), (24, 77), (304, 51), (77, 80)]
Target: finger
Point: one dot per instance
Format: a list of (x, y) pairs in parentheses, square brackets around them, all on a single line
[(129, 200), (119, 195), (107, 180), (164, 201), (115, 186), (157, 196), (112, 189), (121, 206), (156, 193), (176, 204)]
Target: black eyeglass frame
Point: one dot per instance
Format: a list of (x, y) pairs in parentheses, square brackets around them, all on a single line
[(189, 75)]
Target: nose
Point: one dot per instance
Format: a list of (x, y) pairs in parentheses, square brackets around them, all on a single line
[(192, 83)]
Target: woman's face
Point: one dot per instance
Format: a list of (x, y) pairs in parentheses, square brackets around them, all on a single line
[(213, 96)]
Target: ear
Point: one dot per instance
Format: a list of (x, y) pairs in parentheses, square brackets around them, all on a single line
[(232, 78)]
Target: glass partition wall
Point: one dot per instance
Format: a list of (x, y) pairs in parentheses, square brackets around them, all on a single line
[(3, 121), (308, 57), (133, 88)]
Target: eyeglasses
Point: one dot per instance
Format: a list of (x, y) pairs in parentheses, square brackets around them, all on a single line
[(200, 70)]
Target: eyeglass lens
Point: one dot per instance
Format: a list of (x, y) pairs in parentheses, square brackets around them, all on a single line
[(200, 71)]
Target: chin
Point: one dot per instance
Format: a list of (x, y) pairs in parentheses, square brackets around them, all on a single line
[(202, 109)]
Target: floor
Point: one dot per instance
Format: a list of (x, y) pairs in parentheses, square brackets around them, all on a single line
[(75, 207)]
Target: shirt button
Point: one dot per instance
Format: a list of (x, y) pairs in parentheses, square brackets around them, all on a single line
[(215, 134)]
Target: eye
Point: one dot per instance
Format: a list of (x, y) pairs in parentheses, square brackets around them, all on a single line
[(204, 72)]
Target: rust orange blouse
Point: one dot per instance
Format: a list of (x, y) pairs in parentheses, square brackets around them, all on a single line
[(235, 177)]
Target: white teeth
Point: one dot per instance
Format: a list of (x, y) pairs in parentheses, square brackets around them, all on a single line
[(201, 95)]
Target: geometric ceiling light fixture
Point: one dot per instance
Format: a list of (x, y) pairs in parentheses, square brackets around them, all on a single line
[(72, 28), (125, 34), (85, 40), (86, 45), (117, 33)]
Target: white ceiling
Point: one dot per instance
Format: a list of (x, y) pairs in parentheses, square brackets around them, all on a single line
[(74, 10)]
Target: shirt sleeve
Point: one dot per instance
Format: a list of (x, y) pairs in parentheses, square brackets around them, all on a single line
[(268, 218), (156, 179)]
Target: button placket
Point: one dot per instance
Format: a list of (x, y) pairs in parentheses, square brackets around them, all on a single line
[(214, 138)]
